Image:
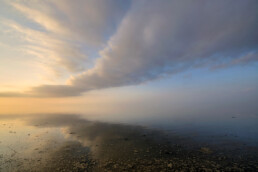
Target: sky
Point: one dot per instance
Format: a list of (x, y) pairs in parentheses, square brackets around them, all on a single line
[(132, 58)]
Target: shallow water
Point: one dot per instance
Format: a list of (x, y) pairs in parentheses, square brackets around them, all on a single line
[(58, 142)]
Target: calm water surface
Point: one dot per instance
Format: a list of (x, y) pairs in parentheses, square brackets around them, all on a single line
[(58, 142)]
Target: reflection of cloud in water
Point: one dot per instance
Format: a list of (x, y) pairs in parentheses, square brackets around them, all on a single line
[(93, 145), (99, 136)]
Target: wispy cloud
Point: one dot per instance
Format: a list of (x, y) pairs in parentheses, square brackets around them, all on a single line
[(65, 31), (158, 38), (41, 18), (50, 50), (86, 21)]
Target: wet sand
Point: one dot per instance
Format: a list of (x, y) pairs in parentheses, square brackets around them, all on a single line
[(72, 143)]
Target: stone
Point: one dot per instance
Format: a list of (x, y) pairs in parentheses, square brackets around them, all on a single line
[(169, 165)]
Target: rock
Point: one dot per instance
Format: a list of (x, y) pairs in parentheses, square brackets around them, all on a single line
[(169, 165), (205, 150), (80, 165), (207, 170)]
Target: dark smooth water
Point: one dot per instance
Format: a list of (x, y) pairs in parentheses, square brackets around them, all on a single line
[(73, 143)]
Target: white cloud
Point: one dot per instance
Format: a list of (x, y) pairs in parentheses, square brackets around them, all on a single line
[(49, 49), (61, 33), (87, 21)]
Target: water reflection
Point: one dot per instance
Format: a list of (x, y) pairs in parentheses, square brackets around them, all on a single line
[(72, 143)]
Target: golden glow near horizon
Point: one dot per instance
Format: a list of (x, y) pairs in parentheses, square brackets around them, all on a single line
[(98, 102)]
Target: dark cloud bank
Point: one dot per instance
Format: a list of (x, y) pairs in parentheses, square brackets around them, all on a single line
[(157, 38)]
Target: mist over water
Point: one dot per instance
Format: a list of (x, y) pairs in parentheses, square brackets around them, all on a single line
[(65, 142), (143, 131)]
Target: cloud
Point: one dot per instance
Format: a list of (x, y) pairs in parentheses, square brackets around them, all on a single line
[(87, 21), (61, 35), (13, 94), (49, 49), (40, 17), (159, 38)]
